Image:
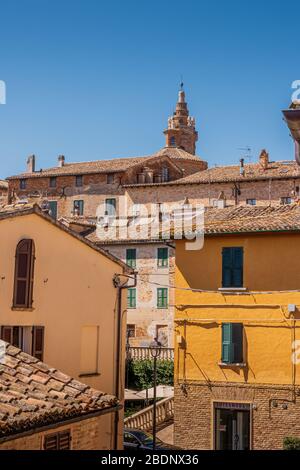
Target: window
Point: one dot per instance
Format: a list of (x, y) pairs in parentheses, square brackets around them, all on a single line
[(38, 342), (131, 257), (22, 184), (110, 178), (286, 200), (131, 297), (24, 273), (165, 174), (53, 182), (173, 141), (251, 202), (162, 257), (130, 331), (28, 338), (232, 267), (53, 209), (78, 180), (162, 297), (89, 350), (110, 206), (78, 207), (58, 441), (232, 343)]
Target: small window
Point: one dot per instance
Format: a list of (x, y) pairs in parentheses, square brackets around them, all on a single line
[(131, 297), (232, 267), (53, 182), (162, 297), (251, 202), (78, 207), (131, 257), (23, 184), (110, 206), (53, 209), (286, 200), (110, 178), (24, 274), (173, 141), (130, 331), (165, 174), (232, 343), (58, 441), (79, 181), (162, 257)]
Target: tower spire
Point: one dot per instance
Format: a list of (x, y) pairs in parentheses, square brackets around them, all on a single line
[(181, 130)]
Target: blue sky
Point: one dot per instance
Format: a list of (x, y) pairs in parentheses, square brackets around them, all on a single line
[(94, 80)]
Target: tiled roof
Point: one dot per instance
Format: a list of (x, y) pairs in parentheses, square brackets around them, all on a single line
[(245, 219), (3, 184), (253, 171), (16, 210), (33, 395), (107, 166)]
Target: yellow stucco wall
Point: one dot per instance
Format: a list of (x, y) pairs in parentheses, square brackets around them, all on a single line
[(72, 289), (271, 263)]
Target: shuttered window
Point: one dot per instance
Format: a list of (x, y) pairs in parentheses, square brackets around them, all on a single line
[(58, 441), (78, 207), (162, 297), (53, 209), (24, 274), (131, 257), (38, 342), (131, 298), (232, 343), (232, 267), (162, 257)]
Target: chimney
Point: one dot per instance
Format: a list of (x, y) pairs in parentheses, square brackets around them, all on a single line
[(264, 159), (30, 164), (61, 160), (221, 201), (242, 168)]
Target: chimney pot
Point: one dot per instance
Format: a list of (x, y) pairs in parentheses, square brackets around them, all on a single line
[(264, 159), (31, 164), (61, 160)]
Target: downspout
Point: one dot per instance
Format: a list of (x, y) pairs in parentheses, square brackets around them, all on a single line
[(120, 286), (297, 152)]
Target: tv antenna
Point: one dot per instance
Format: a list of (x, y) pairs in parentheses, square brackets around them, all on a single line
[(247, 154)]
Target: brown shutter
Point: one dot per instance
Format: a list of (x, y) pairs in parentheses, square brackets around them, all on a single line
[(64, 440), (7, 334), (24, 272), (58, 441), (38, 342), (51, 442)]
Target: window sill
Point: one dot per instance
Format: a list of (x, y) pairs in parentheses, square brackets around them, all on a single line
[(241, 365), (232, 289), (22, 309), (94, 374)]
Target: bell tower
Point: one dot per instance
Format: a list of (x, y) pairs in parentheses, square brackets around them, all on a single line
[(181, 132)]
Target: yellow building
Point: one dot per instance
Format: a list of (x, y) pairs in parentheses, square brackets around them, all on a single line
[(60, 302), (237, 319)]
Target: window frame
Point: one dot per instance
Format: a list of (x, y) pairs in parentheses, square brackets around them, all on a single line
[(110, 176), (162, 297), (29, 278), (52, 181), (78, 181), (162, 262), (131, 260), (58, 436), (106, 212), (23, 183), (232, 348)]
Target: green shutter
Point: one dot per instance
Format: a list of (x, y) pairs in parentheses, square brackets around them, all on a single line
[(162, 257), (162, 297), (53, 209), (232, 267), (232, 343), (131, 298), (131, 257)]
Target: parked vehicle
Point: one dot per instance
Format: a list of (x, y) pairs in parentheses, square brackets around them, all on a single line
[(135, 439)]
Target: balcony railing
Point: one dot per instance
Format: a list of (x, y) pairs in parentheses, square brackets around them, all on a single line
[(142, 353), (144, 419)]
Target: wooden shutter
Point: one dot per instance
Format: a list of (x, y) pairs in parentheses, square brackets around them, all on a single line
[(7, 334), (38, 342), (232, 343), (162, 257), (232, 267), (226, 267), (58, 441), (131, 298), (24, 274), (227, 343), (131, 257)]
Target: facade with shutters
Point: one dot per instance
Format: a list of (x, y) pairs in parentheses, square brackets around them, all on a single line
[(237, 320), (58, 298)]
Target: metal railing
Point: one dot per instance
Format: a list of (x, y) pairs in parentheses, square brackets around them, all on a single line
[(139, 353), (144, 419)]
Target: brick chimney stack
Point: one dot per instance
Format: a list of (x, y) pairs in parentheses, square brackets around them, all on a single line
[(61, 160), (30, 164), (264, 159)]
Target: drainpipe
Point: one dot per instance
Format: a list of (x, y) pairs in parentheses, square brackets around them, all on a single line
[(120, 286), (297, 152)]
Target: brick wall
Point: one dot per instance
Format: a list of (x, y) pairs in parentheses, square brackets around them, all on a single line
[(89, 434), (193, 426)]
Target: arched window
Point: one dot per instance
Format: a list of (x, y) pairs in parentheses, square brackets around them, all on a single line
[(24, 273)]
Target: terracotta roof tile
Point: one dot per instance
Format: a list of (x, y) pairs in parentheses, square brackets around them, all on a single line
[(25, 406)]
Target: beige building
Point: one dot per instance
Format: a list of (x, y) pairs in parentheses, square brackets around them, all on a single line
[(42, 408), (60, 299)]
